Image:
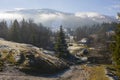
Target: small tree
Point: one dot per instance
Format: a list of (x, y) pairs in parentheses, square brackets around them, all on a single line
[(61, 45)]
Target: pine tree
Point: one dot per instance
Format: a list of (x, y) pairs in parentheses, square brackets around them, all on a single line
[(3, 30), (24, 29), (116, 47), (15, 31), (61, 45)]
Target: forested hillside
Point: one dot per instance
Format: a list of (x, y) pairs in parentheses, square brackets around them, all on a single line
[(26, 32)]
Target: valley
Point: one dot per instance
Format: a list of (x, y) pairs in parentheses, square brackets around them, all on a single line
[(84, 70), (59, 39)]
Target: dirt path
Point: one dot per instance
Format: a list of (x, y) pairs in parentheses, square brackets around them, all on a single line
[(78, 72)]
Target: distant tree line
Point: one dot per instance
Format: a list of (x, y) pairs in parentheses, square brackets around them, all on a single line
[(26, 32), (98, 31)]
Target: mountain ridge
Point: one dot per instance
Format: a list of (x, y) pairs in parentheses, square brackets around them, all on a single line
[(53, 18)]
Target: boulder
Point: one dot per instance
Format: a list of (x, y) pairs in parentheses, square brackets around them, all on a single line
[(30, 58)]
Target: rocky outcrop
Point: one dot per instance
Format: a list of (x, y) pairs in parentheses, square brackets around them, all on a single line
[(30, 58)]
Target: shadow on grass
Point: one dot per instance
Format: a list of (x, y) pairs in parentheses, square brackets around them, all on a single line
[(54, 74)]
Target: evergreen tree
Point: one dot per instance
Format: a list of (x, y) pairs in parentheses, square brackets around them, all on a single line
[(61, 45), (118, 16), (24, 29), (3, 30), (115, 48), (15, 31), (33, 32)]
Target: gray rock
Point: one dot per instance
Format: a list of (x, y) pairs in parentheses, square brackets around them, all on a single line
[(31, 58)]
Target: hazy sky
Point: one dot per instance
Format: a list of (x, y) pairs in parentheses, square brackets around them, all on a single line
[(108, 7)]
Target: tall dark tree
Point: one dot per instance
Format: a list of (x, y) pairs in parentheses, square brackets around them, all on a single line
[(118, 15), (15, 31), (33, 32), (3, 30), (43, 34), (115, 48), (24, 30), (61, 45)]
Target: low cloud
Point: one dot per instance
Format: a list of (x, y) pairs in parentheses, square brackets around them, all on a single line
[(19, 8), (10, 16)]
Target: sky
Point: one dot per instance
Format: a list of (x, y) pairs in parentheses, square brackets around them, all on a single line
[(107, 7)]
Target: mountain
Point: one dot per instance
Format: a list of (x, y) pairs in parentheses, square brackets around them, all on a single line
[(53, 18)]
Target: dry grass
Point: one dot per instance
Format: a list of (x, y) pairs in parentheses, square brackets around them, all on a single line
[(98, 73)]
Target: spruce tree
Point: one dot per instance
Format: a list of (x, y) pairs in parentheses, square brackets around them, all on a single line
[(3, 30), (25, 32), (15, 31), (61, 45), (116, 47)]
